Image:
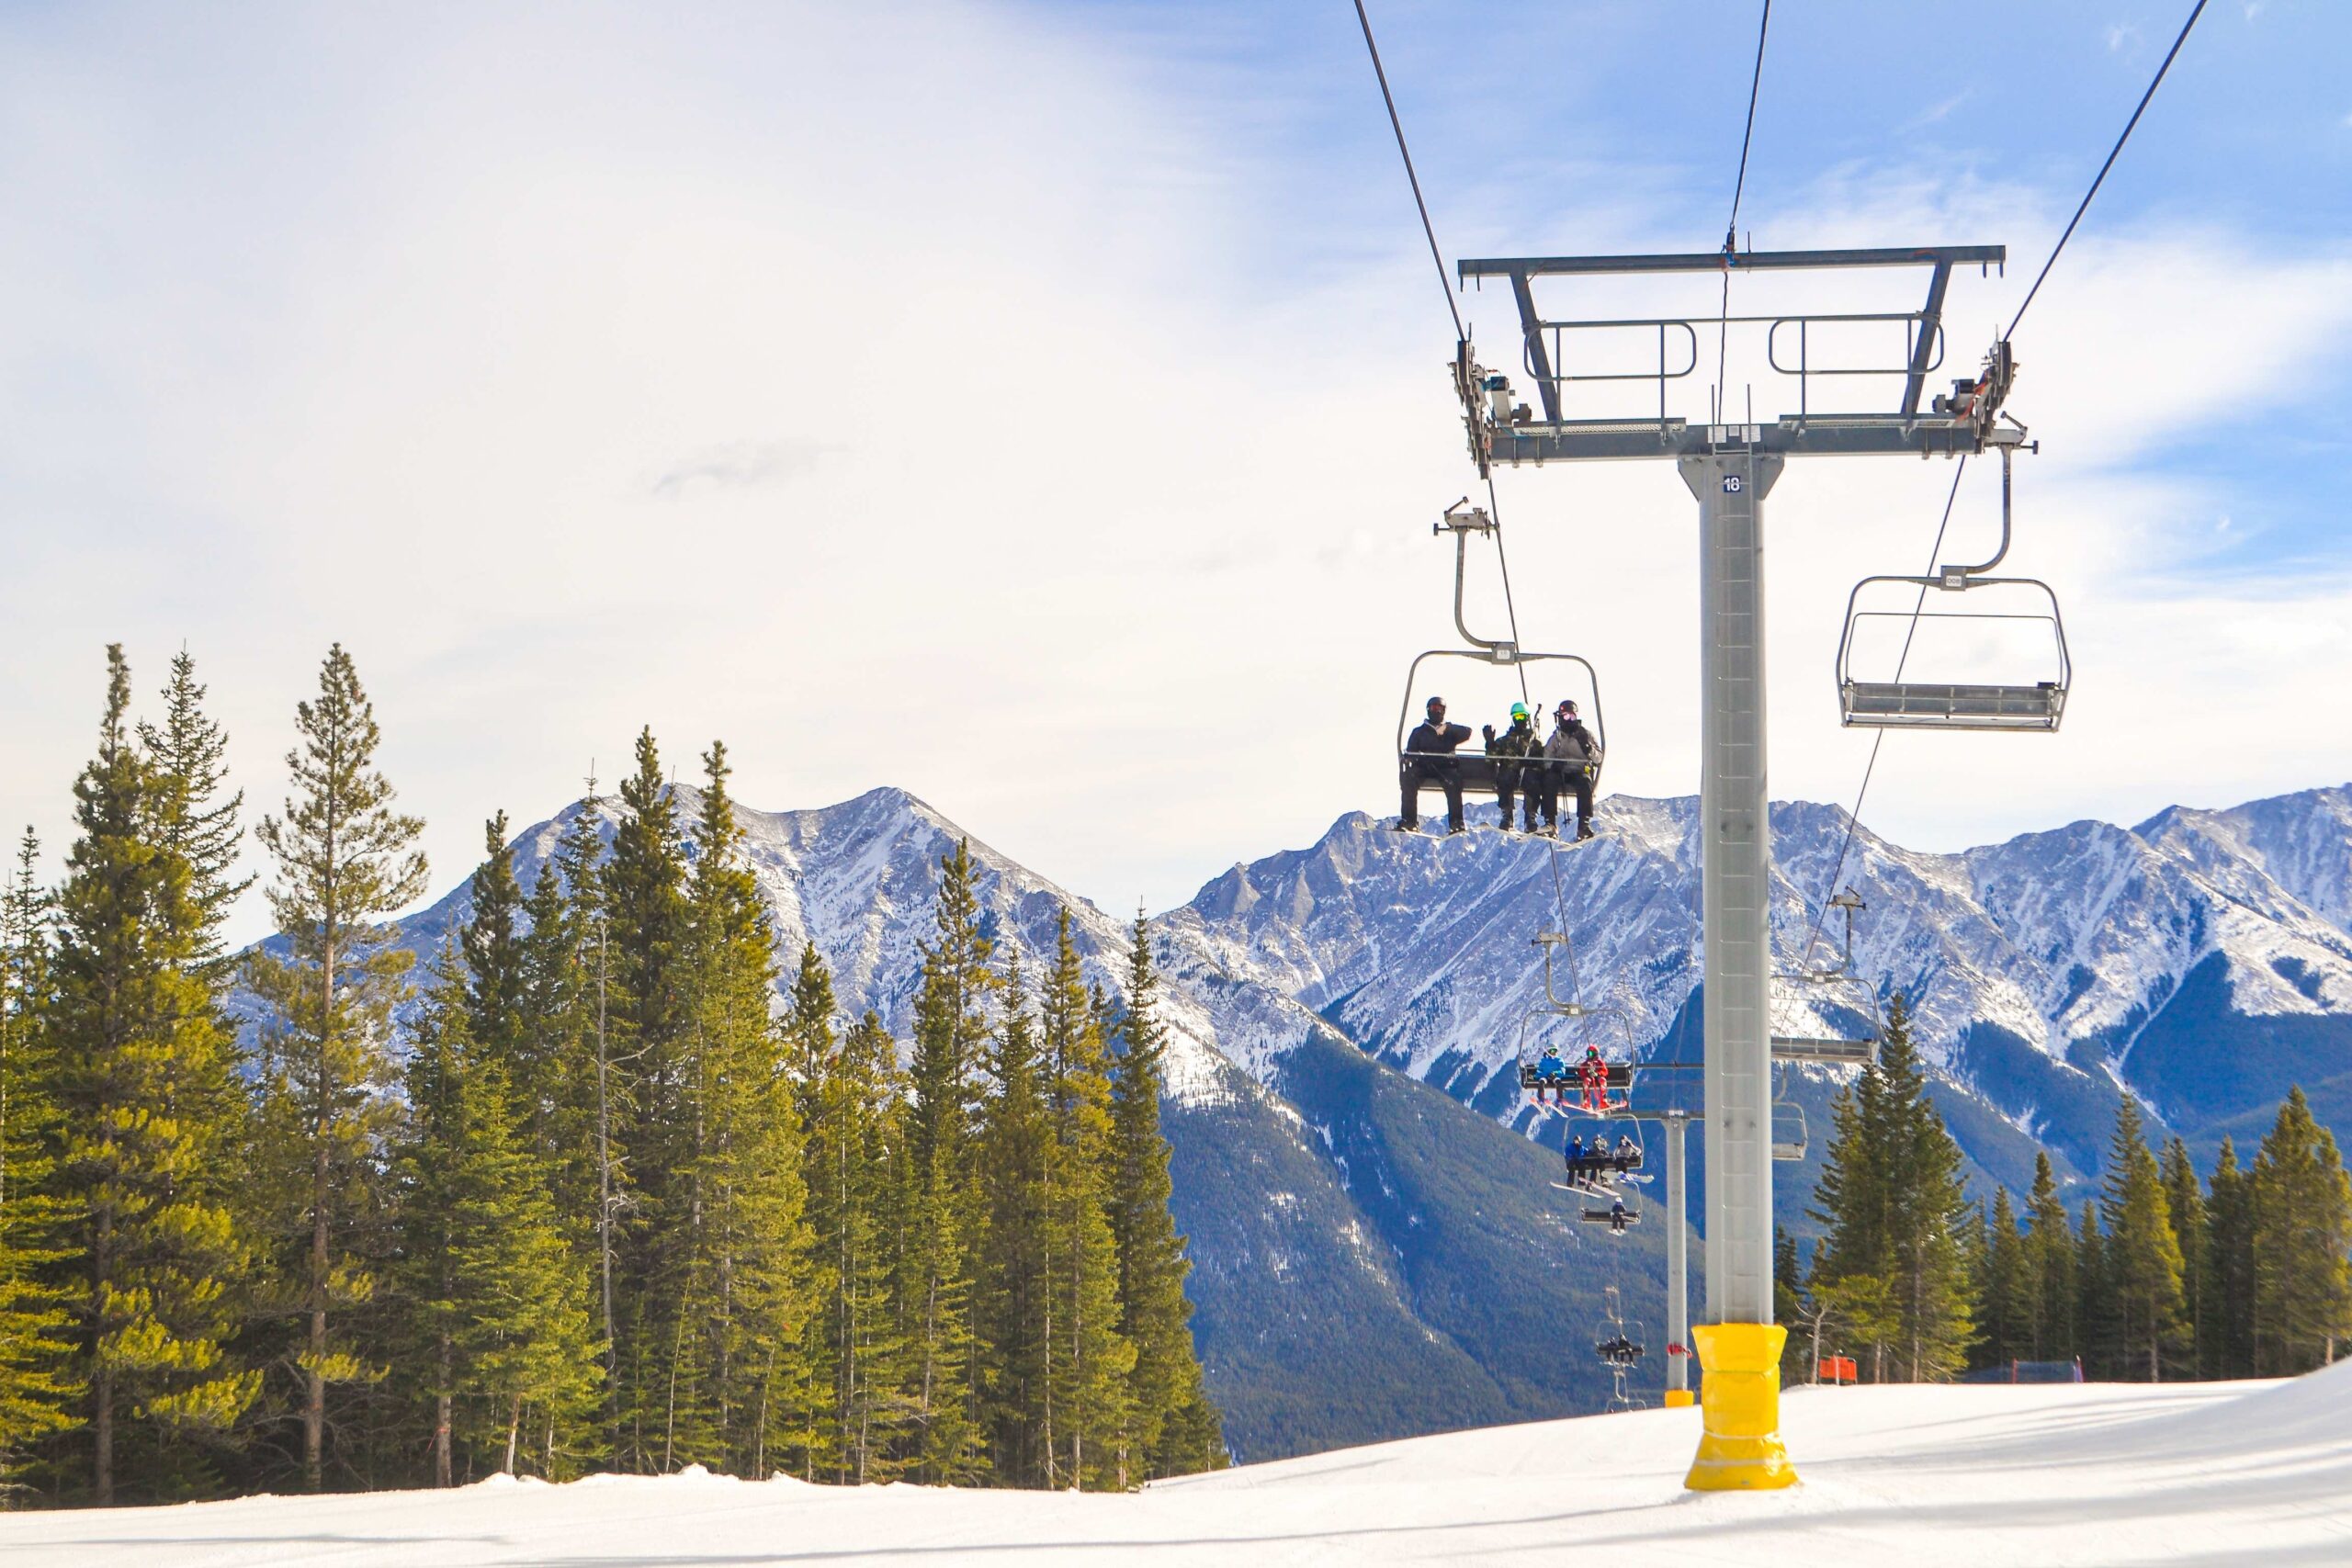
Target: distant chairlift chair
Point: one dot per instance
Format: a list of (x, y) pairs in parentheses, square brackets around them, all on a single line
[(1827, 996)]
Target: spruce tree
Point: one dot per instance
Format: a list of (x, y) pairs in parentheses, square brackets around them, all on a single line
[(2193, 1232), (2050, 1257), (565, 1083), (2096, 1328), (139, 1070), (2230, 1239), (1892, 1197), (811, 1047), (2141, 1256), (38, 1386), (1092, 1361), (1177, 1429), (345, 862), (1012, 1296), (739, 1378), (499, 1304), (2007, 1301), (934, 1257), (2302, 1235), (641, 905), (852, 1136), (190, 754)]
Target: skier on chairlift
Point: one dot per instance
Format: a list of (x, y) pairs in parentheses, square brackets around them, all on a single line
[(1618, 1218), (1553, 1071), (1571, 755), (1519, 740), (1592, 1073), (1430, 745)]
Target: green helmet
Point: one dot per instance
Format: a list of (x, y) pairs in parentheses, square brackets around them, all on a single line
[(1518, 712)]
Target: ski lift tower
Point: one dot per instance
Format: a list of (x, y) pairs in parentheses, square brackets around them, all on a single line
[(1731, 468)]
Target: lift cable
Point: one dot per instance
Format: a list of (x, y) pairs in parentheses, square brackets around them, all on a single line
[(1730, 225), (1411, 177), (2198, 11), (1494, 503), (1838, 866)]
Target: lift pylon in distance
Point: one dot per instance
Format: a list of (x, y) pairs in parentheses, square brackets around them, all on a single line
[(1730, 468)]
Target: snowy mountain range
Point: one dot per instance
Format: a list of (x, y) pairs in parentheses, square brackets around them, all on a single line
[(1375, 1257)]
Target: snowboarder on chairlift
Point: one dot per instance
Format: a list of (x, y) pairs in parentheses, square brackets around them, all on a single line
[(1618, 1218), (1431, 761), (1519, 740), (1573, 756), (1593, 1074), (1629, 1153)]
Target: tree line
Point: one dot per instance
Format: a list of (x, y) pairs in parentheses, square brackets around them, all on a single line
[(579, 1190), (2162, 1275)]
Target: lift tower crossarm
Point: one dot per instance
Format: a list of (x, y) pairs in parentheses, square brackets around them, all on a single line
[(1902, 429), (1737, 260)]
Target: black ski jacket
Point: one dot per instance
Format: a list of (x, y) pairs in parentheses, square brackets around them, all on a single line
[(1439, 739), (1519, 740)]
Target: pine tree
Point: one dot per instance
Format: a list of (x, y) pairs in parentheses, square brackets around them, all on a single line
[(2192, 1232), (933, 1259), (739, 1382), (2230, 1232), (853, 1133), (2143, 1256), (1892, 1197), (2007, 1300), (189, 753), (38, 1386), (2096, 1328), (1012, 1298), (1177, 1429), (641, 905), (811, 1049), (2049, 1256), (140, 1071), (1092, 1362), (345, 862), (498, 1302), (565, 1084), (1789, 1307), (2302, 1235)]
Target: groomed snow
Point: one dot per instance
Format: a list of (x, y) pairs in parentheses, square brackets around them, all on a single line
[(2094, 1473)]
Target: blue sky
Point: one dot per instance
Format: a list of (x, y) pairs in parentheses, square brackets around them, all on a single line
[(1041, 407)]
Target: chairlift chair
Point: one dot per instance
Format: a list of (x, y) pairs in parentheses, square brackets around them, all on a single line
[(1477, 773), (1811, 996), (2034, 706), (1789, 1134)]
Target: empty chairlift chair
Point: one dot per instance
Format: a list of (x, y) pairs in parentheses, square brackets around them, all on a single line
[(2024, 608)]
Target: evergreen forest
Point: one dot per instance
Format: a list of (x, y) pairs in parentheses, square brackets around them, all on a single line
[(605, 1182), (2162, 1275)]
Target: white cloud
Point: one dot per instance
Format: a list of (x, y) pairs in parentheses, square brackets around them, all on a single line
[(883, 394)]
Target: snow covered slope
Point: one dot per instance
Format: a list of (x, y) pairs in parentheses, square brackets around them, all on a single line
[(2098, 1473), (2200, 960)]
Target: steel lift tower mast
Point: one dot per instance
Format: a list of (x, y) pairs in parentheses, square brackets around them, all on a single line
[(1731, 468)]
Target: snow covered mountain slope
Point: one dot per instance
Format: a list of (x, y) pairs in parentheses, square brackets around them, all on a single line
[(2096, 1473), (1370, 1257), (1374, 1256), (2200, 960)]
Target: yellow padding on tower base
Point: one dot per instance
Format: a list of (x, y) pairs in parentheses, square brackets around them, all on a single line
[(1739, 1405), (1677, 1397)]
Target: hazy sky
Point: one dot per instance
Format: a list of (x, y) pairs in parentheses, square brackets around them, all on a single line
[(1042, 406)]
